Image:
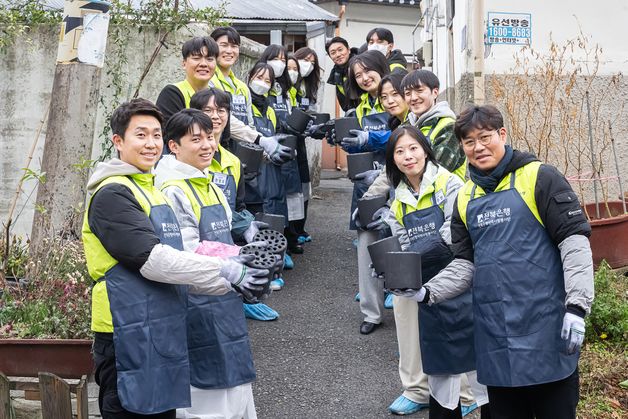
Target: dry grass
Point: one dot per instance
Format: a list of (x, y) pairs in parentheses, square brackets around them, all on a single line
[(602, 368)]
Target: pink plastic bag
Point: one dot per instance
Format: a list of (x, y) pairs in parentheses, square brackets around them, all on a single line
[(217, 249)]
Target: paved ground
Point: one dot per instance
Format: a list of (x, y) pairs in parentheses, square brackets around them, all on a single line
[(312, 362)]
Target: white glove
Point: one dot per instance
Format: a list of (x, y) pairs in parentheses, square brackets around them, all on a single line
[(573, 331), (243, 278), (253, 229), (277, 153), (356, 218), (357, 141), (379, 219), (368, 177), (417, 296)]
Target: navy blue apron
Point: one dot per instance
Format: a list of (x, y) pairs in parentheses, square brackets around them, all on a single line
[(445, 329), (227, 184), (148, 333), (290, 169), (280, 105), (268, 187), (374, 122), (218, 340), (518, 294)]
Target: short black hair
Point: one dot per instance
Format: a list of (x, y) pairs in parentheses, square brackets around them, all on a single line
[(195, 46), (232, 35), (121, 117), (371, 61), (201, 98), (336, 40), (382, 33), (477, 117), (393, 78), (420, 78), (182, 123), (395, 176)]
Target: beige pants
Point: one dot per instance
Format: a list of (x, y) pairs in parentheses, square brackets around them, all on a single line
[(413, 380)]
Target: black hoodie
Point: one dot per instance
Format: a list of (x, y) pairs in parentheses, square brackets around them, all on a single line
[(556, 202), (396, 57)]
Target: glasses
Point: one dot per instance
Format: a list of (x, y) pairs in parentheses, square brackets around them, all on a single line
[(484, 139), (221, 112)]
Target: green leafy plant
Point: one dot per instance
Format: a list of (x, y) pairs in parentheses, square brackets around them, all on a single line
[(55, 299), (14, 257), (18, 17), (608, 320)]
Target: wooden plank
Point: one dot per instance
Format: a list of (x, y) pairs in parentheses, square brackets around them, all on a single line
[(82, 403), (5, 397), (55, 397)]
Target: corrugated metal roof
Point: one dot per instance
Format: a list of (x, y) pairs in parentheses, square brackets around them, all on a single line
[(299, 10)]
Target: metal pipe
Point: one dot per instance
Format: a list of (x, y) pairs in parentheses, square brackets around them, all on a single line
[(595, 177), (621, 188)]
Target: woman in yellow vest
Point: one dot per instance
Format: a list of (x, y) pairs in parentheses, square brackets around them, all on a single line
[(425, 194)]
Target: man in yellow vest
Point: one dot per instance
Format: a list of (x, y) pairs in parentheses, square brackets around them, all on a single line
[(520, 242), (134, 253), (339, 52), (200, 57)]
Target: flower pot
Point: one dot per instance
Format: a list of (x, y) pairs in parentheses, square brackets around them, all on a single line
[(320, 118), (609, 234), (250, 155), (344, 125), (298, 120), (275, 222), (289, 141), (67, 358), (367, 207), (358, 163), (403, 270), (378, 252)]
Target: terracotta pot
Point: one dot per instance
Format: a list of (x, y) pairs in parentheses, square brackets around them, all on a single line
[(67, 358), (609, 234)]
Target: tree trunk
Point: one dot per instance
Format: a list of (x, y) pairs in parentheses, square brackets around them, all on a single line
[(69, 138)]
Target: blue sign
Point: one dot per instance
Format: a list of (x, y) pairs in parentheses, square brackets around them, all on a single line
[(509, 28)]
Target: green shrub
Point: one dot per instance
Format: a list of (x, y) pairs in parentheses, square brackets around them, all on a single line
[(609, 314)]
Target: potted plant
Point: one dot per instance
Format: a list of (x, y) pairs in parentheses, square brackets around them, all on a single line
[(45, 322), (558, 107)]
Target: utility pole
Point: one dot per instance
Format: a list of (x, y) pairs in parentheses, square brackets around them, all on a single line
[(70, 131)]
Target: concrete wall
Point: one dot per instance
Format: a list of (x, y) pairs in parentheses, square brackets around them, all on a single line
[(27, 73)]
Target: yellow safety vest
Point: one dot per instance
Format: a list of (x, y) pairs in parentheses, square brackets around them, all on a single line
[(432, 131), (270, 114), (227, 160), (425, 201), (222, 83), (99, 261), (525, 184), (186, 90), (365, 108)]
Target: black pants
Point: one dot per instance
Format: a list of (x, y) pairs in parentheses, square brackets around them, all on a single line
[(300, 224), (556, 400), (439, 412), (107, 376)]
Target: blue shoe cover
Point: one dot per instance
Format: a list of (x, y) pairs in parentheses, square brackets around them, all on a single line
[(404, 406), (301, 240), (277, 284), (468, 409), (288, 263), (357, 297), (355, 243), (259, 312), (388, 301)]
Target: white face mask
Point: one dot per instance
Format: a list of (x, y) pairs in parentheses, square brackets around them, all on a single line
[(379, 47), (306, 68), (259, 87), (278, 67), (294, 75)]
